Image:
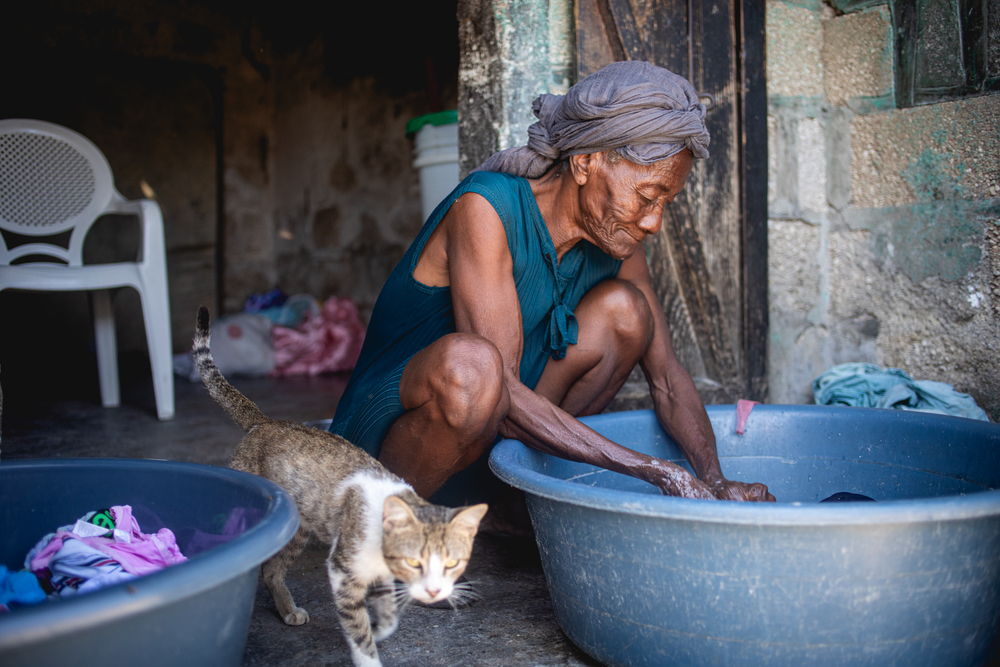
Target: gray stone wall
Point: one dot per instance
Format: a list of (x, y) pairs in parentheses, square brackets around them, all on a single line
[(884, 222)]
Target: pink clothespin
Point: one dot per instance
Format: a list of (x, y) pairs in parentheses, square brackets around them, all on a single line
[(743, 408)]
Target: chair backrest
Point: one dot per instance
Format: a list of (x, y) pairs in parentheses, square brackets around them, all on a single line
[(52, 179)]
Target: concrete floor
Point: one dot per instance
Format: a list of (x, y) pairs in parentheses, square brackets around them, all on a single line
[(54, 411)]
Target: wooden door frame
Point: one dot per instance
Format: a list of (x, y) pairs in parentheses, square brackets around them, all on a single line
[(487, 51), (751, 62), (624, 41)]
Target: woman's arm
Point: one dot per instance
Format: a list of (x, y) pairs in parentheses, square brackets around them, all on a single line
[(676, 402), (485, 302)]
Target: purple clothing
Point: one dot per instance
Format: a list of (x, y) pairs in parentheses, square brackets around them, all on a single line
[(127, 549)]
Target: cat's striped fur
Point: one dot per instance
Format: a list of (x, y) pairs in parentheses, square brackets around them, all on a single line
[(379, 530)]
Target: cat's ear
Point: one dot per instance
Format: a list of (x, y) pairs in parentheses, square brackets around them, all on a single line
[(396, 512), (468, 518)]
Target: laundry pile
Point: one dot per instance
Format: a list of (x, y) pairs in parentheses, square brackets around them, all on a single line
[(869, 386), (281, 335), (102, 548)]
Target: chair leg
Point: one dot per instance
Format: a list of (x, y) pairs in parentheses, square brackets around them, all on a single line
[(155, 301), (156, 315), (107, 348)]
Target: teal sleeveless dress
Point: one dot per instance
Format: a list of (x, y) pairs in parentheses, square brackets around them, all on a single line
[(408, 316)]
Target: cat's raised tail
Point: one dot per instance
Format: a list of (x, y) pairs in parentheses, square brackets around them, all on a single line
[(240, 408)]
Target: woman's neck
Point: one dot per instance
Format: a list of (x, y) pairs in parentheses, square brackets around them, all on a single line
[(555, 195)]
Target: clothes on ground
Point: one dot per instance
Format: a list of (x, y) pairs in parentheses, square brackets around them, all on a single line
[(281, 335), (270, 301), (408, 315), (282, 309), (241, 345), (102, 548), (871, 386), (327, 341)]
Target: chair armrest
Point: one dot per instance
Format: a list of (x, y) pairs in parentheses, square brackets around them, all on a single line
[(152, 247)]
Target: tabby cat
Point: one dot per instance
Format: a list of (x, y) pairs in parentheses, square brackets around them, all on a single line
[(379, 530)]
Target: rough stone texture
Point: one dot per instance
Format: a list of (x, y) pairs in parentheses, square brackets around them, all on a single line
[(992, 288), (811, 155), (248, 226), (933, 239), (858, 56), (942, 151), (795, 355), (934, 329), (783, 160), (347, 197), (797, 288), (793, 61), (838, 157), (772, 157), (800, 355), (894, 260), (504, 65)]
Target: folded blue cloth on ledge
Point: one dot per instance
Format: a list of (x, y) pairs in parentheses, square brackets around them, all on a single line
[(869, 386)]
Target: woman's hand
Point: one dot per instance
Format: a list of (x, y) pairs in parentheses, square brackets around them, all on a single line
[(674, 480), (725, 489)]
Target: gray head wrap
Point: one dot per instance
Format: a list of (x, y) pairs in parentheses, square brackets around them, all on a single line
[(645, 112)]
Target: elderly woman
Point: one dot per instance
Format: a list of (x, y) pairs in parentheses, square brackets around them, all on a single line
[(525, 301)]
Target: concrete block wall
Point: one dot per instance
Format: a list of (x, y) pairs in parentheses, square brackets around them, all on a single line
[(883, 222)]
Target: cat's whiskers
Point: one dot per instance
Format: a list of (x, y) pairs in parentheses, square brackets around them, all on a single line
[(401, 594), (397, 590), (463, 594)]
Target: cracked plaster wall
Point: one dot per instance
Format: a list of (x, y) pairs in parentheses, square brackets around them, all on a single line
[(510, 52), (884, 223)]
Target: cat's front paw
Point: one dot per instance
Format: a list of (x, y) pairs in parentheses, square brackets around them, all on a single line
[(383, 631), (297, 616)]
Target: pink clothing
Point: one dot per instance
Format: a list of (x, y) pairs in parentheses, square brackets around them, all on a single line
[(326, 342), (137, 552)]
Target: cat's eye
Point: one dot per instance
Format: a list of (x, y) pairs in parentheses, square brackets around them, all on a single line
[(448, 564), (412, 562)]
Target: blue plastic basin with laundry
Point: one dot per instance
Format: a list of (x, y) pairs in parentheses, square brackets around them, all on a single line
[(193, 613), (638, 578)]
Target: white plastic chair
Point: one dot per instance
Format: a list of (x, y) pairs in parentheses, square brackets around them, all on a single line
[(54, 180)]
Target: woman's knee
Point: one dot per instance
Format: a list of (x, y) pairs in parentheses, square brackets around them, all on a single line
[(467, 380), (623, 312)]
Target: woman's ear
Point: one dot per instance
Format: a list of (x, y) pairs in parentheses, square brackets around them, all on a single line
[(580, 166)]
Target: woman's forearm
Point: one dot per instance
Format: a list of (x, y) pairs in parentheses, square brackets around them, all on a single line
[(541, 425)]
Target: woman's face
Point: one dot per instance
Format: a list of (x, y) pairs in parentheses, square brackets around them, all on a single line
[(622, 203)]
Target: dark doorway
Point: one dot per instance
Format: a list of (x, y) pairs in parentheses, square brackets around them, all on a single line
[(709, 263), (158, 124)]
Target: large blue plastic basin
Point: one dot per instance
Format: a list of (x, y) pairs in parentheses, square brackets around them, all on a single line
[(193, 613), (637, 578)]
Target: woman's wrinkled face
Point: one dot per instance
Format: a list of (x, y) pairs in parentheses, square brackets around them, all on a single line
[(622, 202)]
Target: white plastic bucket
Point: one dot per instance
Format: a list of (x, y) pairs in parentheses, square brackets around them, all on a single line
[(436, 149)]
